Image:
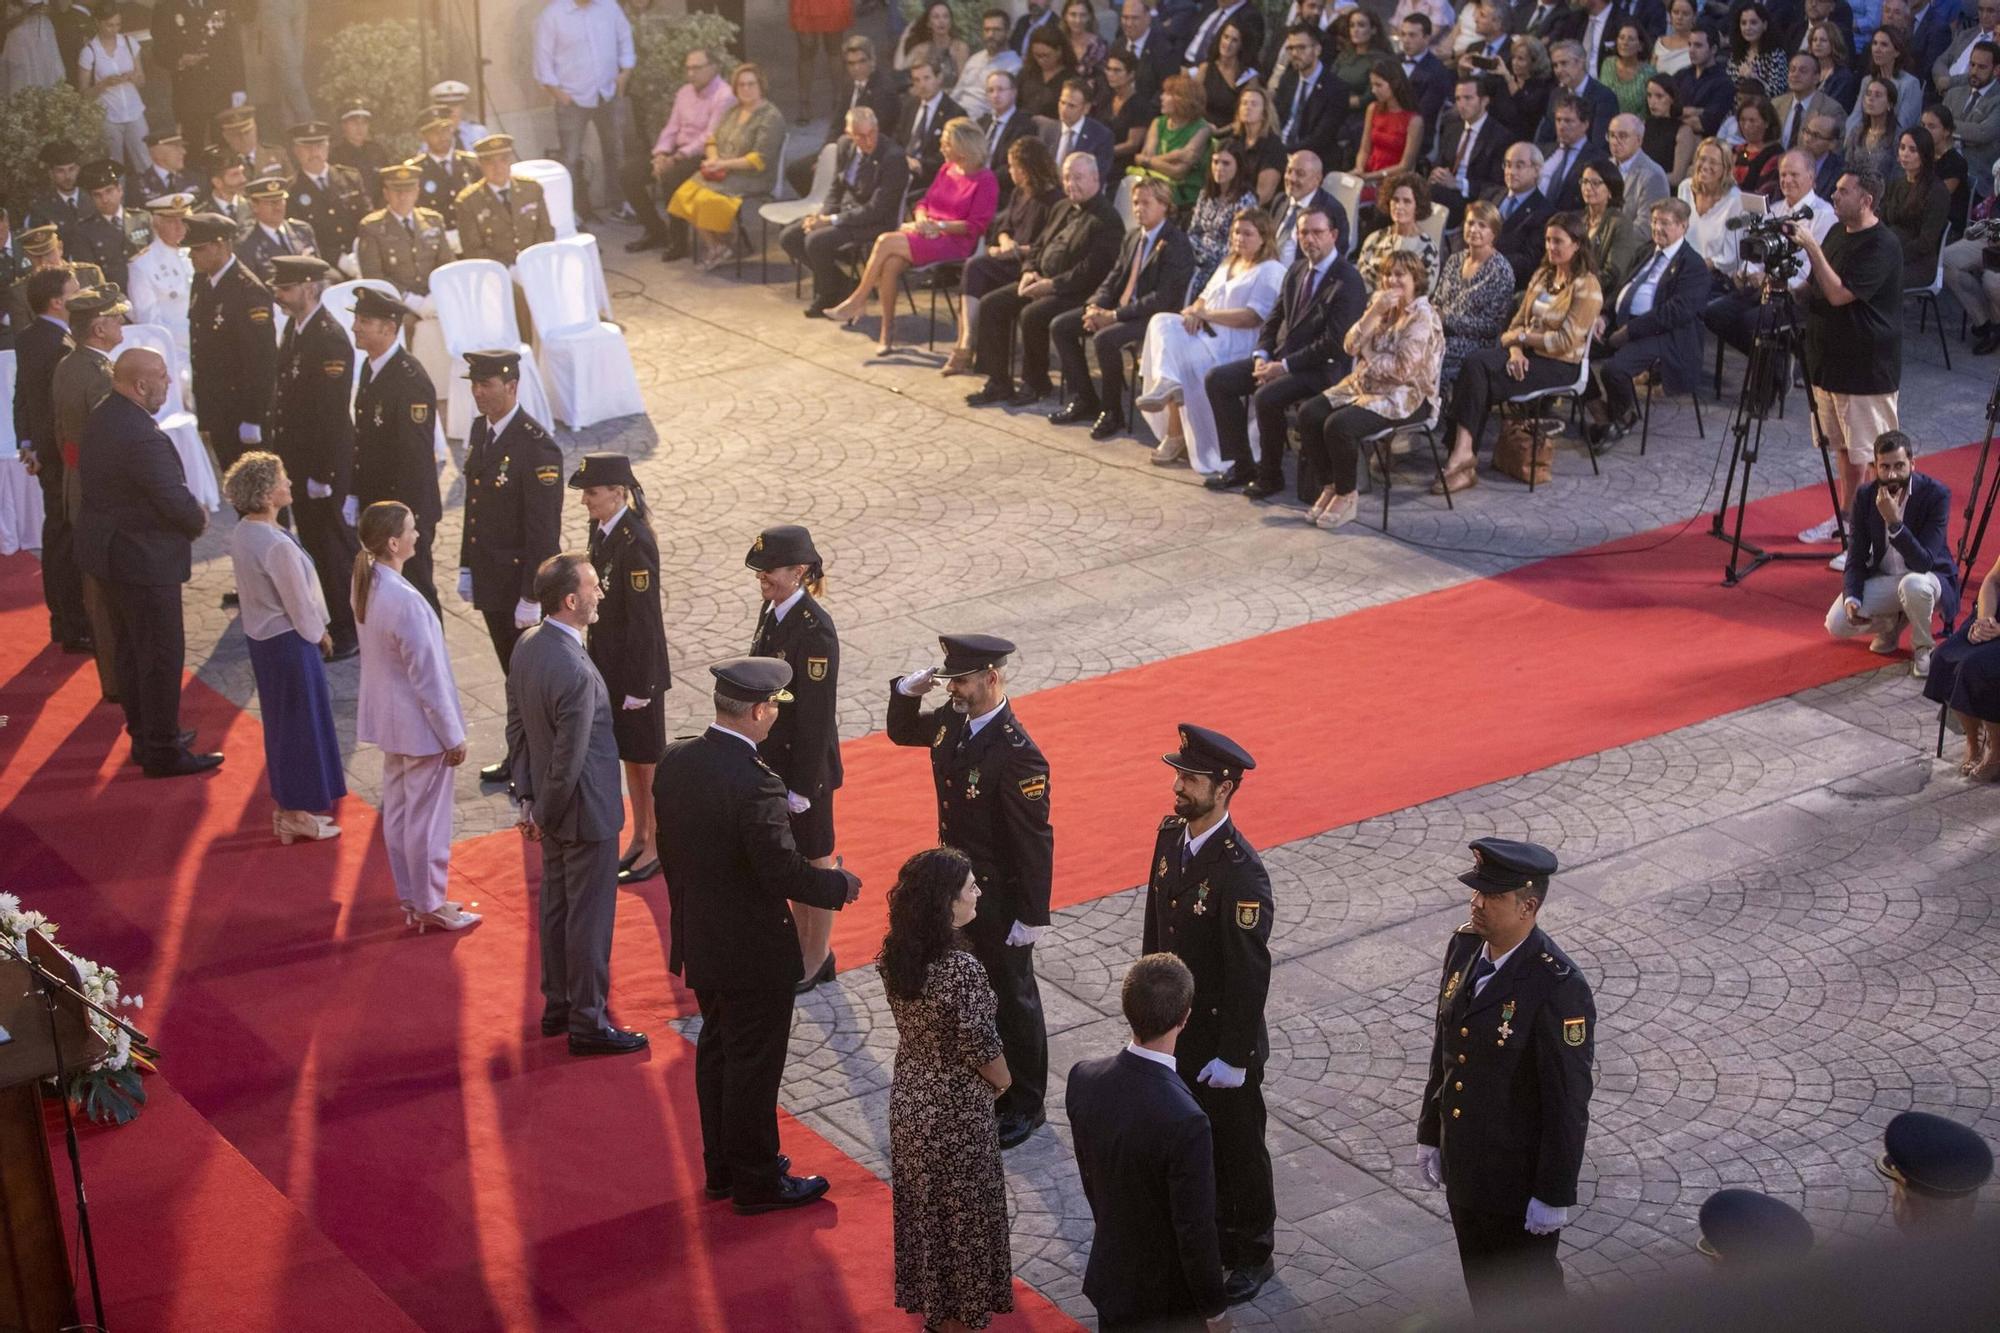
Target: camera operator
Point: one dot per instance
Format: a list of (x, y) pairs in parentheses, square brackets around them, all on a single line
[(1854, 333), (1733, 315)]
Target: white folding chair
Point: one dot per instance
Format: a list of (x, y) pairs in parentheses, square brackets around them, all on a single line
[(20, 494), (558, 191), (175, 421), (586, 244), (783, 213), (1346, 187), (585, 362), (475, 310)]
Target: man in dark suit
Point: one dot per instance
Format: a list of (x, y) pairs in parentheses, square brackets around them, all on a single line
[(1546, 19), (1310, 103), (566, 778), (1062, 267), (1471, 146), (1208, 902), (1038, 12), (1145, 1153), (1561, 181), (134, 533), (1248, 18), (1524, 211), (1300, 194), (1598, 102), (38, 350), (732, 870), (1002, 125), (1905, 512), (1155, 265), (166, 173), (1931, 30), (1299, 354), (993, 797), (871, 176), (234, 354), (1655, 317), (1707, 93), (1145, 48), (1822, 144), (395, 431), (1075, 130), (926, 111), (867, 86), (1428, 77)]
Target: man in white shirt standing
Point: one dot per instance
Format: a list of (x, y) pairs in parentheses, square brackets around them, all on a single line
[(583, 56)]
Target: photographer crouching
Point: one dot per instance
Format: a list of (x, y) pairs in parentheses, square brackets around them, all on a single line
[(1854, 333)]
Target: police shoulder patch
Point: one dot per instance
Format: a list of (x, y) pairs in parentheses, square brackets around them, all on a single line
[(1575, 1031), (1248, 914), (1035, 787), (260, 314), (548, 476), (816, 668), (420, 413), (642, 579)]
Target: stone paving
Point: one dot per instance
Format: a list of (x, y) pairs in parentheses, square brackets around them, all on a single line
[(1784, 911)]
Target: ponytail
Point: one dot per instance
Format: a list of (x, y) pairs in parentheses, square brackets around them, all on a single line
[(380, 523), (815, 580)]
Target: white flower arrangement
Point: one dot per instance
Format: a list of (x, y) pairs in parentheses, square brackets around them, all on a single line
[(110, 1088)]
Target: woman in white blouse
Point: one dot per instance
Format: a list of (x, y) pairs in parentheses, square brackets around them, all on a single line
[(1711, 192), (109, 67), (1221, 325), (284, 619), (409, 707)]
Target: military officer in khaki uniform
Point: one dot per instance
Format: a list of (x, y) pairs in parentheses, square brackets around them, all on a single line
[(400, 244), (500, 216), (330, 199), (445, 170), (239, 135), (43, 248)]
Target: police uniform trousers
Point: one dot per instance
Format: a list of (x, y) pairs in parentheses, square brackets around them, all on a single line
[(62, 579), (416, 826), (1246, 1205), (1503, 1261), (739, 1061), (500, 629), (579, 900), (152, 648), (96, 602), (332, 545), (1024, 1037)]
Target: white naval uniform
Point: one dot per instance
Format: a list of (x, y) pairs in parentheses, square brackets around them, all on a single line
[(161, 279)]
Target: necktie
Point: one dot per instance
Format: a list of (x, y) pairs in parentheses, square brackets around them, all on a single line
[(1290, 221), (1068, 145), (1507, 206), (1187, 854), (993, 139), (1632, 288), (1562, 170), (1298, 108), (1798, 114), (367, 375), (1480, 971), (1306, 289), (1464, 151), (1206, 35), (505, 197), (1138, 267), (410, 226)]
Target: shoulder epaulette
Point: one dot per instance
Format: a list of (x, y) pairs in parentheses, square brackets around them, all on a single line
[(1173, 821)]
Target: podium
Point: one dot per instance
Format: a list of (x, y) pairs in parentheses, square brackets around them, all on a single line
[(36, 1292)]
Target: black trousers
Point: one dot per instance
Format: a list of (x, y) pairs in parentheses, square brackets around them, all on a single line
[(821, 250), (332, 546), (1504, 1261), (500, 629), (152, 649), (1024, 1037), (1233, 394), (1110, 342), (1736, 315), (1246, 1206), (62, 580), (984, 273), (739, 1061), (1330, 438), (1483, 384), (993, 340), (227, 448), (645, 195), (419, 571), (1616, 366)]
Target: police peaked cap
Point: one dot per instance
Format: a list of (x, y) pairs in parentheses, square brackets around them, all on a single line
[(780, 546), (1502, 865), (755, 680), (1934, 1156), (1742, 1225), (603, 468), (1210, 754), (969, 654)]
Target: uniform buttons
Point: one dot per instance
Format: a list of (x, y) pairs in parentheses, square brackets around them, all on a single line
[(1461, 1059), (1465, 1032), (1458, 1087), (1173, 902), (1454, 1113)]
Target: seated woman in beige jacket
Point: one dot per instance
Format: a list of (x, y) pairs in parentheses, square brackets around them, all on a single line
[(1398, 349), (1539, 350)]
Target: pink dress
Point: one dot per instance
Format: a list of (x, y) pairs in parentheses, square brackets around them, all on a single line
[(956, 197)]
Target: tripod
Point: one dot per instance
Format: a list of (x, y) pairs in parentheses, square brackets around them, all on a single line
[(1773, 345), (1973, 534)]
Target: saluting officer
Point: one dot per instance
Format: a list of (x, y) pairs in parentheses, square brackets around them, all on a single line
[(235, 356), (993, 805), (513, 509), (313, 433), (1508, 1101), (329, 199), (499, 216), (445, 170), (628, 640), (804, 744), (1209, 901), (272, 233), (395, 430), (1935, 1168)]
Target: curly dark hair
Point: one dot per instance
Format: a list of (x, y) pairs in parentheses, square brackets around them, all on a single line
[(920, 929)]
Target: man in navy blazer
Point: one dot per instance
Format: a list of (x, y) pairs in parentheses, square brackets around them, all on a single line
[(1145, 1153), (1456, 176), (1654, 317), (1573, 77), (1524, 211), (1075, 130), (1309, 104), (1899, 565), (1428, 77)]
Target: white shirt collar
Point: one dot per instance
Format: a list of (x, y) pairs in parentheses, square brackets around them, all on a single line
[(1672, 250), (1473, 128), (717, 726), (612, 522), (972, 727), (271, 231), (1198, 841), (1501, 961), (217, 276), (375, 363), (565, 627), (778, 609), (496, 428), (1157, 1057)]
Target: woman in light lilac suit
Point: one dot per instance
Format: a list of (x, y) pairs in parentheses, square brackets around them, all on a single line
[(408, 707)]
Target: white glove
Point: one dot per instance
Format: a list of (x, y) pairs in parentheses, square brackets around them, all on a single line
[(1219, 1075), (916, 682), (350, 510), (1431, 1161), (526, 614), (317, 490), (1022, 935), (632, 701), (249, 433), (464, 585), (1544, 1220), (796, 803)]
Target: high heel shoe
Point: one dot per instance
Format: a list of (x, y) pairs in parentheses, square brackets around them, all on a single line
[(959, 363), (291, 825), (1341, 511), (446, 918), (824, 974), (410, 912), (1461, 478)]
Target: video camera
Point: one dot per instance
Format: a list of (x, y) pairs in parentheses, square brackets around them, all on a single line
[(1767, 242)]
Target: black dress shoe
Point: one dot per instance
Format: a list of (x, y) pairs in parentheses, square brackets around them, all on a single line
[(80, 646), (1263, 488), (792, 1192), (1028, 395), (825, 973), (183, 764), (718, 1187), (815, 311), (228, 600), (625, 862), (1244, 1283), (1016, 1129), (182, 741), (606, 1041), (1072, 414), (554, 1025), (647, 242), (638, 874), (1230, 480), (994, 391), (1107, 425), (499, 772)]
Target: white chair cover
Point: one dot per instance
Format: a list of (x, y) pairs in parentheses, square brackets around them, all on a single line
[(558, 191), (475, 312), (585, 361), (20, 494), (175, 421), (600, 293)]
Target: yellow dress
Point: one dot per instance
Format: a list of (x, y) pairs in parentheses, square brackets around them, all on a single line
[(712, 205)]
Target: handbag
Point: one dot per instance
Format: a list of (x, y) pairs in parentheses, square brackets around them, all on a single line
[(1522, 452)]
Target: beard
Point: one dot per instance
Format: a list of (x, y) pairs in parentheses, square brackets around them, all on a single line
[(1190, 809), (1896, 486)]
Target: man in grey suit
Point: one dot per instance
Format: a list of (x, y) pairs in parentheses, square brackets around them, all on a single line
[(1975, 105), (1802, 101), (1645, 181), (566, 776)]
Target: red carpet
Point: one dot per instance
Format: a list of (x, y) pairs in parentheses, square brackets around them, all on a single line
[(392, 1090)]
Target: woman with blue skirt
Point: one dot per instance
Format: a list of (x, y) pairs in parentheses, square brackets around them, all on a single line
[(285, 622)]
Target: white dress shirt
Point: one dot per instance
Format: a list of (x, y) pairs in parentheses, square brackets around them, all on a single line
[(972, 727), (1479, 986), (1642, 289), (778, 609), (581, 46), (1157, 1057)]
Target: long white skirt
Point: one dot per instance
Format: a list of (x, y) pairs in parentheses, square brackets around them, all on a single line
[(1173, 357)]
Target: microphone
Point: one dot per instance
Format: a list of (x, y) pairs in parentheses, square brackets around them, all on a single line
[(1742, 220)]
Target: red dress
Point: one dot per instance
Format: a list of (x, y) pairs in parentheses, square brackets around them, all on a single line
[(1386, 139), (956, 197), (822, 15)]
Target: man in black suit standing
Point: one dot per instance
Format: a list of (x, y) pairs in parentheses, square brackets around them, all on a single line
[(1426, 73), (1155, 265), (1471, 145), (1310, 102), (870, 176), (1523, 211), (38, 350), (921, 129), (1299, 353), (1141, 1141), (135, 532), (1145, 48), (1076, 131), (1654, 317), (867, 86)]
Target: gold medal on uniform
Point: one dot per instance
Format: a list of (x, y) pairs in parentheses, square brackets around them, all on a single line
[(939, 738), (1451, 986), (1161, 873), (972, 785), (1506, 1028), (1201, 898)]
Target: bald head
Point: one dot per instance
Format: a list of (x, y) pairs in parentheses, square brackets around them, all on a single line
[(141, 375)]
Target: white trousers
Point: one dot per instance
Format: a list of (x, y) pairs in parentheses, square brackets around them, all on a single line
[(416, 826), (1892, 596)]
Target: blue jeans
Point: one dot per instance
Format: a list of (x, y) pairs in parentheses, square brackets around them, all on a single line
[(610, 117)]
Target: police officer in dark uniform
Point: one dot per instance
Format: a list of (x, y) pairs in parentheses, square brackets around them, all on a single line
[(314, 435), (110, 238), (444, 169), (804, 744), (732, 874), (1209, 901), (1508, 1100), (993, 805), (628, 640), (234, 352), (330, 199), (513, 509), (1742, 1228), (196, 42), (1935, 1168), (395, 430)]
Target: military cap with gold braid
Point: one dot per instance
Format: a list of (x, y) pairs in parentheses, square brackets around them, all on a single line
[(499, 364), (1742, 1226), (1930, 1155), (494, 144), (371, 304), (969, 654), (398, 173), (1210, 754), (267, 187), (40, 240)]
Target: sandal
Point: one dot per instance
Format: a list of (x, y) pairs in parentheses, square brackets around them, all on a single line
[(1461, 478), (1341, 511), (958, 363)]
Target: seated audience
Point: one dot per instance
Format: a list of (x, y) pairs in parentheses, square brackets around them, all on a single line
[(946, 225), (1226, 74), (1625, 70), (1539, 350), (1641, 180), (1734, 313), (1755, 51), (1976, 288), (931, 38), (1871, 131), (1899, 563), (993, 53), (1475, 288), (1471, 143), (1409, 204), (1965, 677), (1176, 147), (1221, 324), (1712, 199), (1669, 139), (1655, 317), (1886, 58), (1074, 130), (870, 174), (1309, 101), (1398, 351), (1837, 78), (926, 111), (1755, 167), (1949, 163), (1670, 49), (1015, 228), (1045, 68), (1087, 49), (1392, 132), (1151, 275), (740, 161), (1227, 193), (1530, 84), (1127, 108), (1615, 244), (1302, 191), (1261, 145), (865, 86), (1916, 206), (1524, 209), (1359, 43)]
